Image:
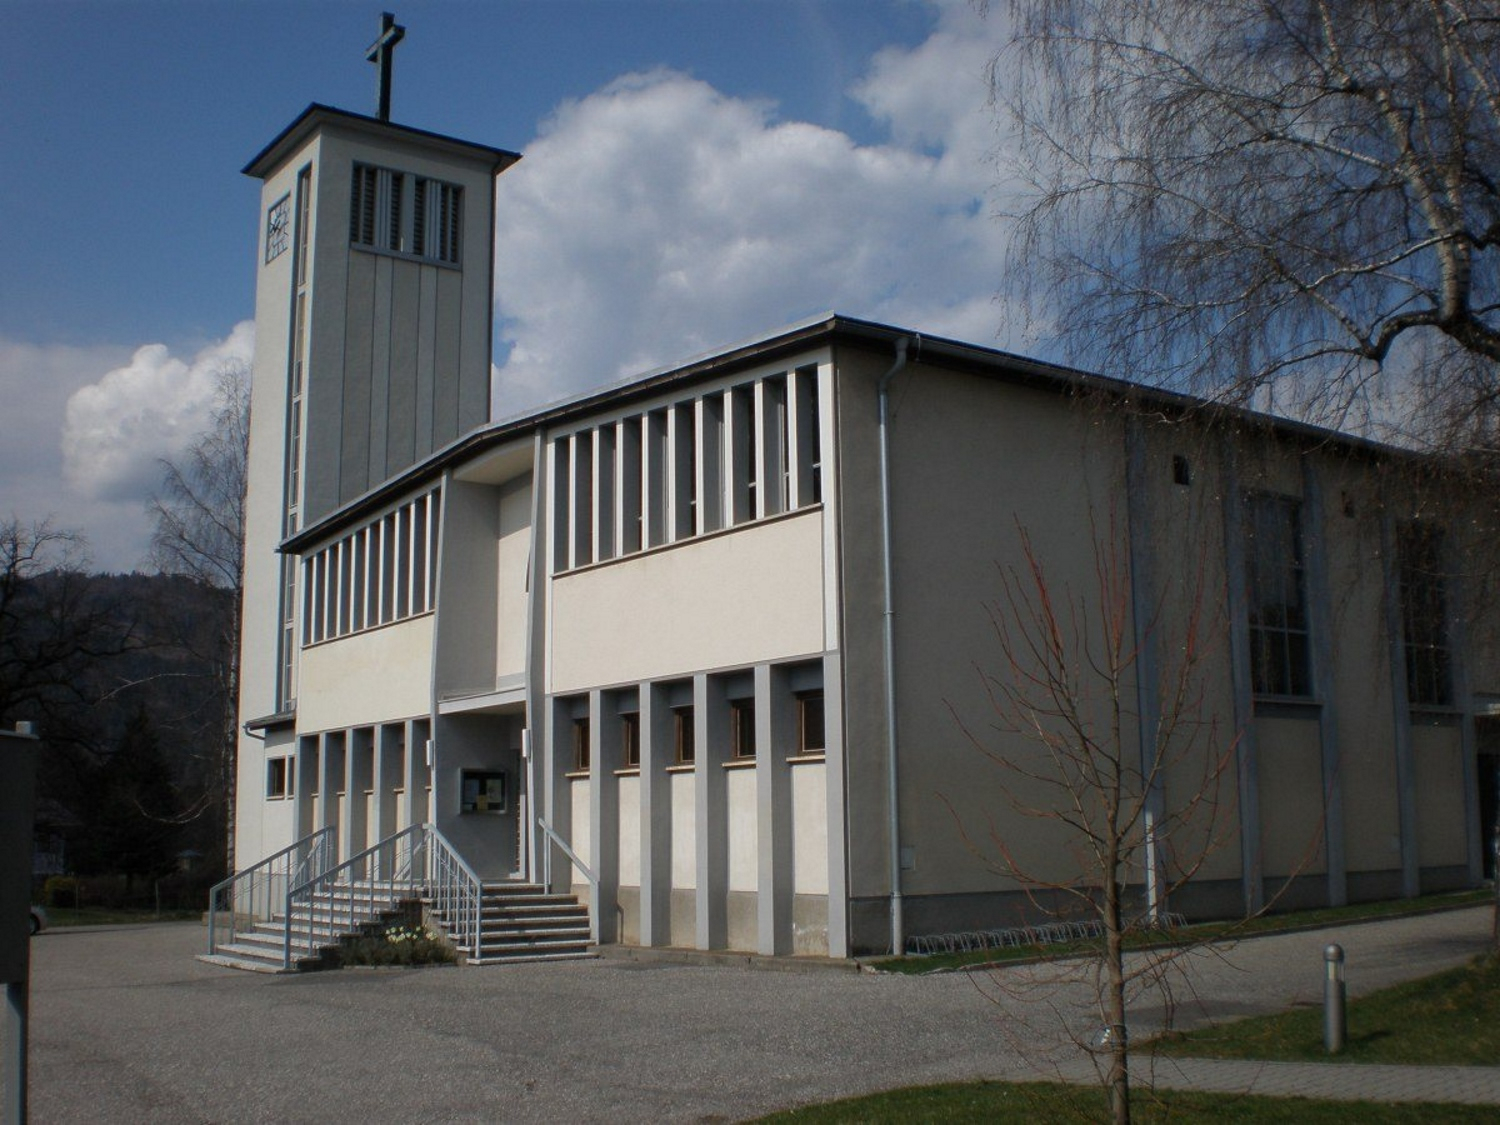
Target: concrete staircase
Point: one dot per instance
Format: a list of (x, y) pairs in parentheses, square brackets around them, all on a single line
[(317, 927), (524, 922)]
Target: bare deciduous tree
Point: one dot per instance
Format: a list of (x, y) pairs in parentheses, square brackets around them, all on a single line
[(1265, 196), (1130, 803), (53, 626), (200, 535)]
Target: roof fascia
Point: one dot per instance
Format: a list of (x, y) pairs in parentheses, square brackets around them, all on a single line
[(315, 115)]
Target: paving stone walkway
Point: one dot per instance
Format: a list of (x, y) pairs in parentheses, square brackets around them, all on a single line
[(1355, 1082)]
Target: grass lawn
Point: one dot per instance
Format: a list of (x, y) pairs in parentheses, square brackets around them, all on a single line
[(1204, 932), (99, 916), (1022, 1103), (1452, 1018)]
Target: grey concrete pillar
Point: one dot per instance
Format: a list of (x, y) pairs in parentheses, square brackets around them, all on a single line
[(1247, 769), (604, 813), (413, 769), (1406, 770), (711, 742), (557, 806), (657, 747), (838, 829), (307, 768), (1320, 625), (359, 780), (1145, 603), (775, 738)]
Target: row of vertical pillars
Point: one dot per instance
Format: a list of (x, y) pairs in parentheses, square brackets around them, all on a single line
[(712, 697), (339, 771)]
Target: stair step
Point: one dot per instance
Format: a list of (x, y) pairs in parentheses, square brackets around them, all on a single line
[(527, 958), (517, 922), (267, 958), (248, 964), (487, 948), (554, 933)]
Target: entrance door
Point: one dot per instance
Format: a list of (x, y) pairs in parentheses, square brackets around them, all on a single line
[(1487, 729)]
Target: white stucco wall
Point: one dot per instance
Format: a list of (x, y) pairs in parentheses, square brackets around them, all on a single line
[(684, 832), (367, 678), (810, 828), (630, 831), (734, 599), (513, 557), (582, 833), (744, 830)]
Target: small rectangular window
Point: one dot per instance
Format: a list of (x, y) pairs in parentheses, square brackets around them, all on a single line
[(682, 722), (630, 741), (278, 778), (582, 757), (742, 728), (810, 738)]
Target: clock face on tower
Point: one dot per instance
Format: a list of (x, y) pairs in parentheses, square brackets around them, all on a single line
[(278, 228)]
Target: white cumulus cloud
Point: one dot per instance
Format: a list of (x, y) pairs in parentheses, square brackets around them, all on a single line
[(658, 218), (117, 430)]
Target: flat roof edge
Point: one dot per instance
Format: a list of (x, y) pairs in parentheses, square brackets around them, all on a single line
[(316, 113)]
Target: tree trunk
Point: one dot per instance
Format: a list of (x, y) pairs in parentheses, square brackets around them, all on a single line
[(1118, 1082)]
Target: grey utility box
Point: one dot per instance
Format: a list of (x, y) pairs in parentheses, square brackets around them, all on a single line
[(18, 755)]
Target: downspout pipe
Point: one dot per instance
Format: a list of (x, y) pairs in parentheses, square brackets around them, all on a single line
[(893, 833)]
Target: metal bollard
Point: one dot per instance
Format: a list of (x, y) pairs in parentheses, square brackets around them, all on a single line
[(1334, 1025)]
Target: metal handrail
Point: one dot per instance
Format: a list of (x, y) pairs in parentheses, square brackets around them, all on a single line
[(588, 874), (593, 880), (253, 892), (386, 865), (455, 891)]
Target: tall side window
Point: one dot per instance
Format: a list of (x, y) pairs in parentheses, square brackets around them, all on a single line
[(1424, 616), (286, 678), (1276, 575)]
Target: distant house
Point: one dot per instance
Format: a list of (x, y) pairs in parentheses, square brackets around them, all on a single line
[(632, 646)]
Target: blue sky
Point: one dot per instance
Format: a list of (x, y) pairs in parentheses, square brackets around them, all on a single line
[(695, 172)]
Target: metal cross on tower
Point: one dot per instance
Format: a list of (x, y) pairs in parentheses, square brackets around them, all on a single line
[(382, 53)]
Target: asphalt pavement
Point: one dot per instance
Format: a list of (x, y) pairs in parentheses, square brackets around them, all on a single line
[(128, 1027)]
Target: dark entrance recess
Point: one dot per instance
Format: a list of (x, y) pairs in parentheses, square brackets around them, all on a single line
[(1488, 730)]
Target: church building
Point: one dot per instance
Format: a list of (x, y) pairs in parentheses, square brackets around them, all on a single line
[(730, 654)]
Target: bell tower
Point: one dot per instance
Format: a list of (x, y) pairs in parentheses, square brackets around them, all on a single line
[(373, 311)]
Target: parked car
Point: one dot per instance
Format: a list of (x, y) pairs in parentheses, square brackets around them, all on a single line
[(38, 919)]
